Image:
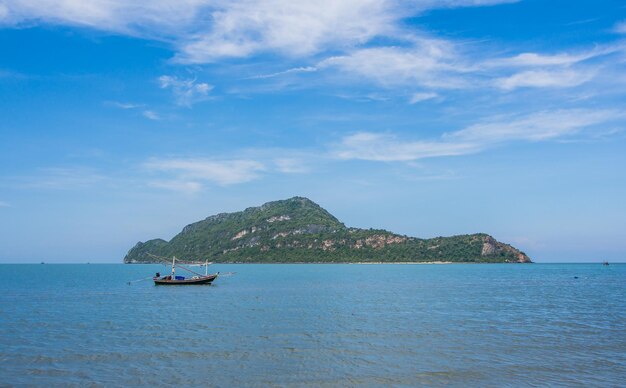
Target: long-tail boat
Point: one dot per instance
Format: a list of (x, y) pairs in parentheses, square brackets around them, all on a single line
[(197, 278)]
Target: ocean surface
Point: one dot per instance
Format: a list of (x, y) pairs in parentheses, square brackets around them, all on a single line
[(315, 325)]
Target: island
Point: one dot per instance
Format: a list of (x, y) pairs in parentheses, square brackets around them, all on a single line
[(297, 230)]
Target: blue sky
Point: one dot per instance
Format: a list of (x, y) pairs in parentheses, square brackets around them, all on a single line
[(123, 121)]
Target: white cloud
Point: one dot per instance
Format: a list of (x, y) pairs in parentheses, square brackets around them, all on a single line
[(535, 127), (124, 105), (475, 138), (151, 115), (59, 179), (442, 64), (305, 69), (147, 113), (158, 18), (419, 97), (620, 27), (4, 204), (186, 91), (428, 62), (221, 172), (464, 3), (563, 59), (433, 63), (535, 59), (368, 40), (387, 148), (186, 187), (208, 30), (291, 165), (303, 28), (293, 28), (545, 78)]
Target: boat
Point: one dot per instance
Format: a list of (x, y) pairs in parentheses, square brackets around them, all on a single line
[(605, 263), (174, 279), (167, 280)]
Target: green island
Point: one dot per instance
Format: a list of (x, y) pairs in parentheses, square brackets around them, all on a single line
[(297, 230)]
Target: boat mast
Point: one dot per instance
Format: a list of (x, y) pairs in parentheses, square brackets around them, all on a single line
[(173, 267), (206, 268)]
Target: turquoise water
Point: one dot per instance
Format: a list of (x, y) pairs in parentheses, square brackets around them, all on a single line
[(479, 325)]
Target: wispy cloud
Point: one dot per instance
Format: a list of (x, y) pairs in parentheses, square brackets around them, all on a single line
[(534, 127), (147, 113), (152, 115), (558, 59), (59, 178), (540, 126), (555, 70), (197, 171), (419, 97), (357, 39), (291, 28), (545, 79), (124, 105), (4, 204), (150, 19), (207, 31), (305, 69), (581, 21), (291, 165), (464, 3), (182, 186), (620, 27), (186, 91), (430, 63), (302, 29), (191, 175), (535, 59), (389, 148), (441, 64)]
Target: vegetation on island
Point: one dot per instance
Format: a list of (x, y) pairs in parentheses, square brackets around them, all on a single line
[(297, 230)]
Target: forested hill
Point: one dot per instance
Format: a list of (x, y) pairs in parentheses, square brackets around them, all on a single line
[(297, 230)]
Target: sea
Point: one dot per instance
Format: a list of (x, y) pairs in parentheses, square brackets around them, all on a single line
[(487, 325)]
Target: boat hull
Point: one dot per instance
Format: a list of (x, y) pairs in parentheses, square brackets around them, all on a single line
[(171, 282)]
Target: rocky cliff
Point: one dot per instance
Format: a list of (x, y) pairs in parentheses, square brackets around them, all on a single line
[(298, 230)]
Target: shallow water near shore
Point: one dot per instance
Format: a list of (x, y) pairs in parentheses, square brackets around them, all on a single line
[(273, 324)]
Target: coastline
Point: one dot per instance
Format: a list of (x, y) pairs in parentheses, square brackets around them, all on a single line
[(356, 263), (407, 262)]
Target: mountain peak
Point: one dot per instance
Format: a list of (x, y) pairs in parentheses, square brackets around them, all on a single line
[(296, 201)]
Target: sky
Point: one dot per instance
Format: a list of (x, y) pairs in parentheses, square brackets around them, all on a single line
[(123, 121)]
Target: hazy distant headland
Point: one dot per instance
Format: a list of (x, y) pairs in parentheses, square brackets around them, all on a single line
[(297, 230)]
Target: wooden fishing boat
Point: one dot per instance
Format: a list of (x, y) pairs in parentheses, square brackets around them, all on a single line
[(183, 280), (172, 279), (197, 278)]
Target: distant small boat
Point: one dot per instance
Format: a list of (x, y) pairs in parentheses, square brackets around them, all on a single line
[(605, 263), (182, 280)]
